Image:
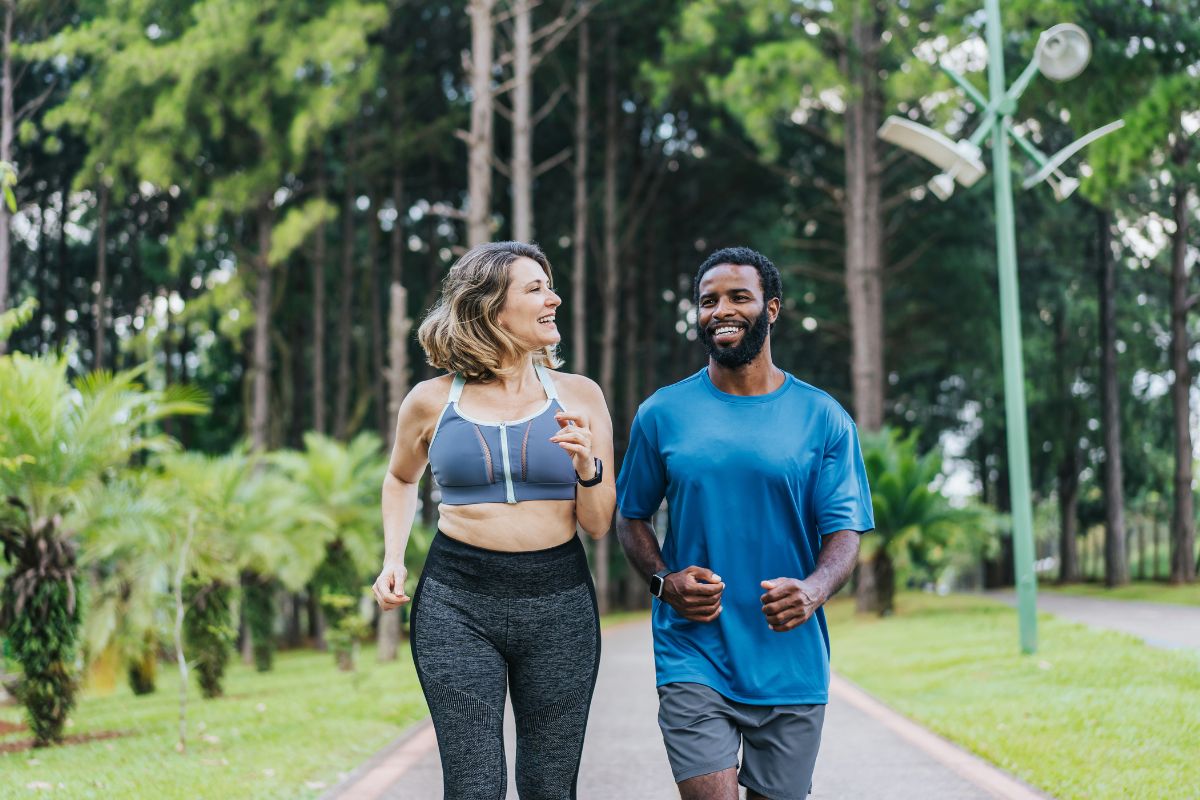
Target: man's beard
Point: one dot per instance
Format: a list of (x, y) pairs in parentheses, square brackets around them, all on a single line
[(744, 351)]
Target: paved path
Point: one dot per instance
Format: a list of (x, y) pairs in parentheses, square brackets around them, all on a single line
[(1158, 624), (868, 752)]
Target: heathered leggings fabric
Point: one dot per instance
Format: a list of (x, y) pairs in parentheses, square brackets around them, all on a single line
[(485, 622)]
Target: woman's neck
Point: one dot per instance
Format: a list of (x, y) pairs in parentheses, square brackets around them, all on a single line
[(515, 379)]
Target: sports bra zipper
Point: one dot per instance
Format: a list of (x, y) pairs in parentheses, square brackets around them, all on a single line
[(511, 496)]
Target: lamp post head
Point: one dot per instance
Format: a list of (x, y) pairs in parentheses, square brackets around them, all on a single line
[(1062, 51)]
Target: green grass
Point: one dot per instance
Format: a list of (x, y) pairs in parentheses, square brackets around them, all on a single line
[(289, 733), (1092, 715), (1145, 591)]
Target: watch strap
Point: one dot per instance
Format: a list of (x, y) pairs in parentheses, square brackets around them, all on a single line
[(592, 481)]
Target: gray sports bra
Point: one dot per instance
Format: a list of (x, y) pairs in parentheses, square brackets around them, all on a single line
[(505, 462)]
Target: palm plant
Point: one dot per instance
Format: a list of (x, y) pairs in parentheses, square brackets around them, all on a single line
[(340, 484), (125, 553), (62, 443), (916, 527), (249, 517)]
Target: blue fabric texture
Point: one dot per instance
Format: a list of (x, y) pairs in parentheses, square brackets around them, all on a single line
[(751, 484)]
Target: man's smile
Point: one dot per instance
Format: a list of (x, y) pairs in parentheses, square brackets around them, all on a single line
[(726, 332)]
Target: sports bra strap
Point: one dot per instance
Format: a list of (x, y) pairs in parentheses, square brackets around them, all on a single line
[(456, 387), (547, 381)]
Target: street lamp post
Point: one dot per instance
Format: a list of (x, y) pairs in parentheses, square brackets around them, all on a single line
[(1062, 53), (1010, 338)]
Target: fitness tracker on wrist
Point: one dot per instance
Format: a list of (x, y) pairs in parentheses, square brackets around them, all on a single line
[(592, 481), (657, 582)]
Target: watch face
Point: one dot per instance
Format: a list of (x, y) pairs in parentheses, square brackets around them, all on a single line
[(656, 585)]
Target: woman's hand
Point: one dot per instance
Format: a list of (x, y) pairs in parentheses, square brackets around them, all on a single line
[(389, 586), (576, 438)]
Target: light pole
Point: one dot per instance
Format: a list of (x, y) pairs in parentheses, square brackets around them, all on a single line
[(1062, 53)]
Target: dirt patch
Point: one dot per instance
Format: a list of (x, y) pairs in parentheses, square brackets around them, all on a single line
[(10, 727), (78, 738)]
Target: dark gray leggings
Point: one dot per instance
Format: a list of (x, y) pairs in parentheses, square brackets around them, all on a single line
[(484, 622)]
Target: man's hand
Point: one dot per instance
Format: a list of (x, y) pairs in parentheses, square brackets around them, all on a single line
[(789, 603), (695, 592), (389, 587)]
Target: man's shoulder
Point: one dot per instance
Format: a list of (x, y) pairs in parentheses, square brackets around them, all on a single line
[(821, 402), (668, 397)]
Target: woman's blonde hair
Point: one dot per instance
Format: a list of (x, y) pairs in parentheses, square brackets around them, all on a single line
[(460, 333)]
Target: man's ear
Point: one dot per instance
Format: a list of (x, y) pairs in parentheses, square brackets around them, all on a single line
[(773, 310)]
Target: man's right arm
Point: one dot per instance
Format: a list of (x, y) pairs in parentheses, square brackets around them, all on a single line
[(640, 545), (695, 592)]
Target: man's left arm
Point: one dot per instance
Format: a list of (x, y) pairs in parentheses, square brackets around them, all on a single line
[(789, 602)]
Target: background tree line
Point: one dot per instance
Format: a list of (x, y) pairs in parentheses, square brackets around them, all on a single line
[(256, 201)]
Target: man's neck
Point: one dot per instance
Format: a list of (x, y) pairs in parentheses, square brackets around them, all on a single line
[(760, 376)]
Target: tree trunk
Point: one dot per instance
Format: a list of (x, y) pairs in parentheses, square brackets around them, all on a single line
[(1183, 530), (6, 155), (396, 274), (261, 368), (397, 375), (292, 636), (610, 280), (1116, 556), (522, 125), (388, 633), (64, 279), (100, 317), (318, 320), (341, 411), (479, 158), (1068, 515), (43, 280), (579, 253), (864, 220), (1068, 467), (373, 296)]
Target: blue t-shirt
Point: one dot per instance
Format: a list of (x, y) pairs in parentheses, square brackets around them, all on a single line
[(751, 483)]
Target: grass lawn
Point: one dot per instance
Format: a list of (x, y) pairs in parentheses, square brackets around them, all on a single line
[(1147, 591), (1092, 715), (289, 733)]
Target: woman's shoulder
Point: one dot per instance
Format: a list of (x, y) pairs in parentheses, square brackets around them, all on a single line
[(577, 387), (429, 396)]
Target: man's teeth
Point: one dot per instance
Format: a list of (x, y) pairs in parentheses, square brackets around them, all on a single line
[(725, 330), (546, 319)]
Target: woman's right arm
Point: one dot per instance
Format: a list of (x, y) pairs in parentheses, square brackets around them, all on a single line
[(410, 453)]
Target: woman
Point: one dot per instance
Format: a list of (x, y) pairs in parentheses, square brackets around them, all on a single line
[(523, 455)]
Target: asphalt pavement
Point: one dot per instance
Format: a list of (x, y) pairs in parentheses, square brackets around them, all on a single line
[(867, 752)]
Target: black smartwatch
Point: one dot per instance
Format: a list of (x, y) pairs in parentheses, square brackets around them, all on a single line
[(592, 481), (658, 581)]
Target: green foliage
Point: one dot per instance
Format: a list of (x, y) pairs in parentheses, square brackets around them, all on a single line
[(259, 607), (917, 532), (143, 669), (14, 318), (297, 226), (346, 626), (66, 442), (208, 632), (41, 623)]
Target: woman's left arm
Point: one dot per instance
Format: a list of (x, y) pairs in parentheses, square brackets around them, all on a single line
[(586, 434)]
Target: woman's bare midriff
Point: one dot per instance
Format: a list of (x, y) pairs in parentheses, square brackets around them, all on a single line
[(528, 525)]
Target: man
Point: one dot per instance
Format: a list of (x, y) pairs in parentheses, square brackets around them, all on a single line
[(766, 493)]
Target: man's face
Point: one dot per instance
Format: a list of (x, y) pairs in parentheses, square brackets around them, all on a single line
[(733, 321)]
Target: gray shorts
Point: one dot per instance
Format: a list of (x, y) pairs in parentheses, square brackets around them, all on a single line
[(703, 729)]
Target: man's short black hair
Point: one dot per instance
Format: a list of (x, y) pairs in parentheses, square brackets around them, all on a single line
[(772, 283)]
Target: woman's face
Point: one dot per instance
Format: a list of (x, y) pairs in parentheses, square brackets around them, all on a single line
[(528, 312)]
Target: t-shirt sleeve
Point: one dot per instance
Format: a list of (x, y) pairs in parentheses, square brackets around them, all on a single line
[(843, 494), (642, 483)]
